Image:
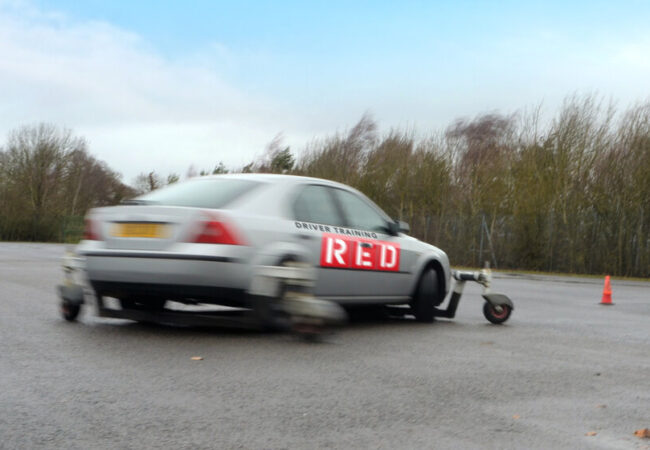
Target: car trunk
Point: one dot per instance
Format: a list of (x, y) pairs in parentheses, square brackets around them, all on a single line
[(148, 227)]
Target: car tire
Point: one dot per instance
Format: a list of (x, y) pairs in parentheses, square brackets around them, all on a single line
[(270, 311), (425, 297)]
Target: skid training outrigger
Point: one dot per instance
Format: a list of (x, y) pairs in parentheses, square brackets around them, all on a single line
[(497, 307), (280, 298)]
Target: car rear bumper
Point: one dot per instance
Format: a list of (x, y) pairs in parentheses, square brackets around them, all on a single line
[(173, 276)]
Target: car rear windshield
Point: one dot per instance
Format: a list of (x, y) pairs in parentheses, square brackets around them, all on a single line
[(200, 193)]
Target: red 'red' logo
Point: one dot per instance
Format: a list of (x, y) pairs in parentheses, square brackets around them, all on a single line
[(358, 253)]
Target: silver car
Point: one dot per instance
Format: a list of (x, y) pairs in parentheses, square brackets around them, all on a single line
[(203, 240)]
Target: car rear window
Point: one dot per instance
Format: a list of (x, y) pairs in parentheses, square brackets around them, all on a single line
[(200, 193)]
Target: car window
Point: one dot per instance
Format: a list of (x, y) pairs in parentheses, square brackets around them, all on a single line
[(199, 193), (315, 204), (359, 213)]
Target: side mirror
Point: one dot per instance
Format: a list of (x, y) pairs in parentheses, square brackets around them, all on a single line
[(398, 226), (403, 227)]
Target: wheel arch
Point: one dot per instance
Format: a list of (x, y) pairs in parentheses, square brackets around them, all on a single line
[(277, 252)]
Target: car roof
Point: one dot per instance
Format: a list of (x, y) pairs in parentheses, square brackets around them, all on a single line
[(288, 180), (277, 179)]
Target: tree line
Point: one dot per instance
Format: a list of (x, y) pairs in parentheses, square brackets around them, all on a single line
[(571, 194), (48, 181)]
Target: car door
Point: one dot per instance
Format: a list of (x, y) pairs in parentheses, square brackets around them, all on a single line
[(389, 257), (358, 260), (316, 216)]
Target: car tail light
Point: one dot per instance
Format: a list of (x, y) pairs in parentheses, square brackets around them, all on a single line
[(90, 230), (215, 231)]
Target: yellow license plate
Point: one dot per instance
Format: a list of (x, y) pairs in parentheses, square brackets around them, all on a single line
[(140, 230)]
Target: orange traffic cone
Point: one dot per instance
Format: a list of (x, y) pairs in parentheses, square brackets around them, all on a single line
[(607, 293)]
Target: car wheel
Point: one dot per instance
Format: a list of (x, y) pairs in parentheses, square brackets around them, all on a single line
[(424, 300), (270, 311)]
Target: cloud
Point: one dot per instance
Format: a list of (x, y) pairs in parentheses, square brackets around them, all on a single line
[(136, 107), (635, 55), (142, 110)]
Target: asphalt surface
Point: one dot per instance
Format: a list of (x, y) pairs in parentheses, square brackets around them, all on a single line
[(563, 367)]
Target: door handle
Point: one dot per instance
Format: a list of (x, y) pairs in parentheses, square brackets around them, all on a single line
[(304, 236)]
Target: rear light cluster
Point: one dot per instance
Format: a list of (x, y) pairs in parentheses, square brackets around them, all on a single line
[(90, 230), (212, 230), (215, 231)]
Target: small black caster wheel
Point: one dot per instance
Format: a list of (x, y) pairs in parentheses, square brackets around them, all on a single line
[(70, 311), (496, 314)]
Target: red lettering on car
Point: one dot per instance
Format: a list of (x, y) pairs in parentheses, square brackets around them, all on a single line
[(364, 254), (388, 256), (335, 251), (356, 253)]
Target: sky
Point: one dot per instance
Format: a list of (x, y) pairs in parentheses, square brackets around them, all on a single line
[(161, 85)]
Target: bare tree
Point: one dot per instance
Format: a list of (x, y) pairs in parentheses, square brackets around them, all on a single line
[(147, 182), (47, 175), (572, 195)]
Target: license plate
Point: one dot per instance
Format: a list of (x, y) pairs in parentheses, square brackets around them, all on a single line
[(140, 230)]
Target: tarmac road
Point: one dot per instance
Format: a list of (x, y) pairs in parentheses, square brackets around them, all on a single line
[(562, 367)]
